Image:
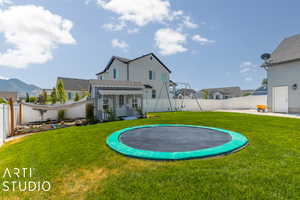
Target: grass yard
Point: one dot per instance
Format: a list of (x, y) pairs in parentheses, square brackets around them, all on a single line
[(79, 165)]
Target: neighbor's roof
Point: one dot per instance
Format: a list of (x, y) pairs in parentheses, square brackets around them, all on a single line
[(263, 90), (75, 84), (114, 83), (287, 51), (7, 95), (225, 90), (127, 61)]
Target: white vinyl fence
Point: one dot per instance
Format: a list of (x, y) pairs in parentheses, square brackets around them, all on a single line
[(32, 113), (239, 103), (4, 122)]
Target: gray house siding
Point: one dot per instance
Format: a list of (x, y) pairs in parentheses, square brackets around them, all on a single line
[(286, 74), (138, 71)]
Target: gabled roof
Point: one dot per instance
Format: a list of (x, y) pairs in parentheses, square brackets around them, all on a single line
[(75, 84), (263, 90), (127, 61), (235, 91), (288, 50)]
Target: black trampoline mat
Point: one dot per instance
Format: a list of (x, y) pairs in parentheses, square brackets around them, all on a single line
[(173, 139)]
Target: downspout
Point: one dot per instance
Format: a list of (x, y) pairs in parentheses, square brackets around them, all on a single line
[(128, 71)]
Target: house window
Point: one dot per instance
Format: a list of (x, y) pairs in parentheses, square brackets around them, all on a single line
[(115, 73), (151, 75), (100, 78), (105, 103), (121, 100), (153, 94), (134, 102), (70, 95)]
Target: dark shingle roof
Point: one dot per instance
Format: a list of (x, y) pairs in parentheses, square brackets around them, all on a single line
[(233, 91), (75, 84), (288, 50), (126, 61), (263, 90)]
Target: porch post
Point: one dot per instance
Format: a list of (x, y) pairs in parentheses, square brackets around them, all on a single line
[(142, 103)]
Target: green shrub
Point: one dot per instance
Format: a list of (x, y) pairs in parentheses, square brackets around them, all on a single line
[(77, 97), (2, 101), (32, 99), (61, 115), (89, 113)]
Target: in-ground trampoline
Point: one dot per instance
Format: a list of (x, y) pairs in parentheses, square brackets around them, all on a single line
[(175, 142)]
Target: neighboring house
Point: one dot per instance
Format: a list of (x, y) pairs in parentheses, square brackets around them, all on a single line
[(6, 95), (246, 92), (73, 86), (222, 93), (283, 74), (185, 94), (125, 83), (262, 90)]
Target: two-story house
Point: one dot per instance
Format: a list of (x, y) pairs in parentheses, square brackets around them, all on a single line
[(125, 85)]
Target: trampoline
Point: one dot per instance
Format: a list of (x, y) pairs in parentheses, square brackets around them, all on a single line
[(175, 142)]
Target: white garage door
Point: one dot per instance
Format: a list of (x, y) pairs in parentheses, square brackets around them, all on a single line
[(280, 99)]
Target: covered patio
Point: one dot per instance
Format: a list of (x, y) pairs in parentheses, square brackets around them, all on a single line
[(116, 98)]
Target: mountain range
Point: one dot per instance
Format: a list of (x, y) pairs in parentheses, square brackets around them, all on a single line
[(16, 85)]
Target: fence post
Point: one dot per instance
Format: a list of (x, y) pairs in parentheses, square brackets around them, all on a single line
[(12, 117)]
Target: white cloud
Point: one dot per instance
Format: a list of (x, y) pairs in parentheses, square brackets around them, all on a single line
[(248, 70), (3, 78), (116, 43), (140, 12), (5, 2), (202, 40), (34, 32), (133, 31), (187, 22), (170, 41), (114, 27)]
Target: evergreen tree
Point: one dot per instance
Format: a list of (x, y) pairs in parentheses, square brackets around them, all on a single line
[(53, 96), (77, 97), (60, 92), (27, 98)]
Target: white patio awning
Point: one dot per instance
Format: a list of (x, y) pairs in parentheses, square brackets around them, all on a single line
[(121, 92)]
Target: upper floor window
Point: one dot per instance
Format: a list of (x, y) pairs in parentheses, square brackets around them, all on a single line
[(115, 73), (151, 75)]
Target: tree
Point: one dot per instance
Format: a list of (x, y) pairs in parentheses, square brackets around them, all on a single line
[(2, 101), (264, 82), (205, 94), (45, 97), (60, 92), (27, 98), (53, 96), (77, 97)]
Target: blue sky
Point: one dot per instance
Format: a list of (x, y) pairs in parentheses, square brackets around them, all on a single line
[(209, 44)]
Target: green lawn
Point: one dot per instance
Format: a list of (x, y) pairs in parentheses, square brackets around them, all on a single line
[(80, 166)]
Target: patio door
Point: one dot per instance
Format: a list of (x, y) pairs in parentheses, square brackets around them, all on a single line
[(280, 99)]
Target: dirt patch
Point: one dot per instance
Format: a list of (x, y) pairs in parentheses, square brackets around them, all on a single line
[(76, 184), (17, 140)]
